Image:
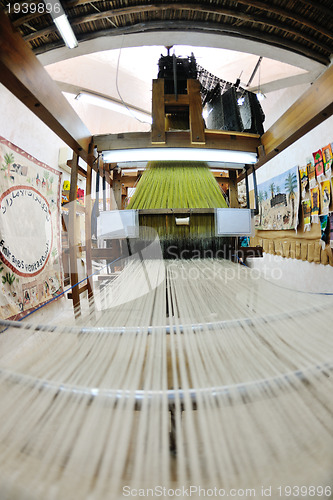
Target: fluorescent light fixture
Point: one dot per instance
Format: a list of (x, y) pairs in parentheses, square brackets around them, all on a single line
[(180, 154), (119, 107), (59, 17), (66, 31)]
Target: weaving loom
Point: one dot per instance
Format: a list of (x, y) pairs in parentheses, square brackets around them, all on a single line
[(243, 368), (193, 375), (190, 193)]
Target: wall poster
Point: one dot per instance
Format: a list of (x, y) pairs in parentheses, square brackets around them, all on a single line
[(30, 237), (278, 200)]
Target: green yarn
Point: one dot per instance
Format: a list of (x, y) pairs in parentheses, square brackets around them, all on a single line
[(173, 184)]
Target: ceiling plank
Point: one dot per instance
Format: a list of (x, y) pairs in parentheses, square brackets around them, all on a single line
[(207, 10), (196, 26), (264, 6), (326, 11), (258, 19), (289, 14), (25, 77), (311, 109)]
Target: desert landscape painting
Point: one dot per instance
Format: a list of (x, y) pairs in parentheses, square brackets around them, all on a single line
[(278, 200)]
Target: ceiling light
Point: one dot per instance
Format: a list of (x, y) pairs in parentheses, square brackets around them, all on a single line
[(180, 154), (260, 96), (60, 20), (66, 31), (119, 107)]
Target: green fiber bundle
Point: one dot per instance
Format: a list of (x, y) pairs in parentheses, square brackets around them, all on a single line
[(172, 184)]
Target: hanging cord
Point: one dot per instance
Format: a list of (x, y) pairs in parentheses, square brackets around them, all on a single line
[(118, 91)]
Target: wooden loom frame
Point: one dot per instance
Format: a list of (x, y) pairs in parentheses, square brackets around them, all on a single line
[(25, 77), (197, 136)]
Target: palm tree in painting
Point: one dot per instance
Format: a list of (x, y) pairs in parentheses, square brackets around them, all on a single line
[(265, 195), (9, 159), (278, 189), (272, 189), (260, 200), (290, 186)]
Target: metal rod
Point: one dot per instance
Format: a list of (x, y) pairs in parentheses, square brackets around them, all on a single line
[(227, 395), (254, 71), (174, 67), (162, 329)]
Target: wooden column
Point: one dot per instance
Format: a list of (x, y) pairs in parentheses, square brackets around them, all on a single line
[(74, 277), (197, 127), (233, 190), (87, 221), (158, 112), (104, 189), (116, 186)]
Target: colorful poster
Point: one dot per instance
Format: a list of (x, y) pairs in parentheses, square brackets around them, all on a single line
[(278, 200), (315, 204), (319, 164), (306, 204), (303, 173), (30, 255), (327, 159), (311, 174), (325, 196)]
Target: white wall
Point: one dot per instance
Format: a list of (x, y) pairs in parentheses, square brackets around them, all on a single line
[(21, 127), (294, 274), (275, 104)]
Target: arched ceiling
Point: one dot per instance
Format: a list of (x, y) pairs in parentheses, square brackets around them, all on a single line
[(302, 28)]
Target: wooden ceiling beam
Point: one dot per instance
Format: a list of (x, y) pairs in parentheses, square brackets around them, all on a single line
[(326, 11), (195, 26), (289, 14), (207, 10), (25, 77), (264, 6), (108, 14), (311, 109)]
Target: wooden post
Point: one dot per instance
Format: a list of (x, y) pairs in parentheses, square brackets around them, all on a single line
[(72, 236), (87, 222), (197, 127), (104, 188), (158, 112), (116, 186), (233, 190)]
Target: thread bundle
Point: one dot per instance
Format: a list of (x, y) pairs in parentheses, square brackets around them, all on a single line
[(243, 367)]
